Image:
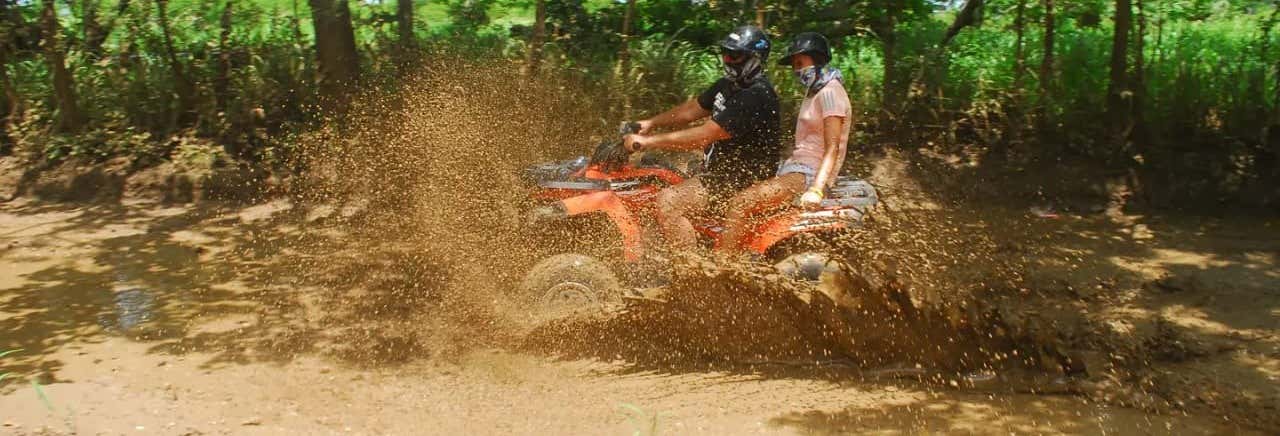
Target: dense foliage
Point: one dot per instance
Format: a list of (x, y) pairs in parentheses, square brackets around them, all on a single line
[(1190, 96)]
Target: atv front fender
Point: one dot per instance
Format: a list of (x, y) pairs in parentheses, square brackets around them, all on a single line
[(609, 203)]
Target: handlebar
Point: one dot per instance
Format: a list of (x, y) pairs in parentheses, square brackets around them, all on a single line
[(612, 154), (629, 128)]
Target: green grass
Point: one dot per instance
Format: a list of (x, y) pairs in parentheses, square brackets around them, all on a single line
[(4, 375), (642, 423), (433, 13), (437, 13)]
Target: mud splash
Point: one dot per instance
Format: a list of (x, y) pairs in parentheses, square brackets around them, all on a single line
[(414, 205), (414, 230), (902, 309), (434, 176)]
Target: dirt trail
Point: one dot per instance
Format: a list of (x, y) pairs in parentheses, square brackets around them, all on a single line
[(183, 320), (374, 296)]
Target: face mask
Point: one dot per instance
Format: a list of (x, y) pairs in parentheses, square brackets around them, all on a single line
[(744, 72), (813, 78), (807, 77)]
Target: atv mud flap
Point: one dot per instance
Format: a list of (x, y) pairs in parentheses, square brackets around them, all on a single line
[(609, 203)]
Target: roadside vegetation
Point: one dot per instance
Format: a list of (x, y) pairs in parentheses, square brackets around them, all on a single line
[(1177, 99)]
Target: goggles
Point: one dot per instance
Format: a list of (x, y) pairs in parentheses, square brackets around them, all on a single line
[(734, 57)]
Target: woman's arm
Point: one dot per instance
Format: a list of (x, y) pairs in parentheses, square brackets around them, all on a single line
[(831, 133)]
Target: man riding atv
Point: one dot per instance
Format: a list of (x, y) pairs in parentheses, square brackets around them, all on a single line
[(741, 144), (740, 138)]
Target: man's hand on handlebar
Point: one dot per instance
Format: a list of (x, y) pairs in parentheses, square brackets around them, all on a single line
[(634, 143), (642, 127), (645, 127)]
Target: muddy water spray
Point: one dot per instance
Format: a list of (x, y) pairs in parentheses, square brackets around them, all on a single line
[(435, 172), (430, 200)]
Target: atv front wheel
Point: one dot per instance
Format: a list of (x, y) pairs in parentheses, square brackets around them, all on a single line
[(567, 282)]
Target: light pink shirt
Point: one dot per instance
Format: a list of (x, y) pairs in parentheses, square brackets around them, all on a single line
[(830, 101)]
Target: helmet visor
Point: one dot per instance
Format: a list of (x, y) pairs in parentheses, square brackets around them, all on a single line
[(734, 57)]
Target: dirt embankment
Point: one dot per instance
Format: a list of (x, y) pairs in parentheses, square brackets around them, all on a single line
[(119, 179)]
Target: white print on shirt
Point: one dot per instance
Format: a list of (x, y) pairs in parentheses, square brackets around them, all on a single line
[(828, 99), (719, 105)]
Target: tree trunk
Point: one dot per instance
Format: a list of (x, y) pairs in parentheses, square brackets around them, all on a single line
[(624, 57), (1139, 72), (1138, 136), (1019, 52), (760, 14), (296, 21), (1271, 132), (1264, 53), (96, 33), (968, 16), (404, 23), (12, 104), (624, 53), (69, 117), (222, 76), (886, 31), (182, 85), (533, 62), (10, 108), (337, 65), (89, 22), (1118, 93), (1159, 48), (1046, 67)]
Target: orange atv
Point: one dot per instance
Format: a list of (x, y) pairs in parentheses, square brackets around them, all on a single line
[(611, 185)]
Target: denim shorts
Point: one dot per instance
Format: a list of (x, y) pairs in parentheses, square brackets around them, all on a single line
[(790, 167)]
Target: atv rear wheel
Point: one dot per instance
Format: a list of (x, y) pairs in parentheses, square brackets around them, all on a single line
[(568, 282), (806, 257), (808, 265)]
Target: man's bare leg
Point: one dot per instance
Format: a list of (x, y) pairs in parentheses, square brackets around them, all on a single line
[(760, 197), (675, 204)]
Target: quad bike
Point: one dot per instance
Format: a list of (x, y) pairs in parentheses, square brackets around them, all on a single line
[(626, 193)]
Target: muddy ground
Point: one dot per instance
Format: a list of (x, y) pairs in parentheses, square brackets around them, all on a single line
[(140, 317)]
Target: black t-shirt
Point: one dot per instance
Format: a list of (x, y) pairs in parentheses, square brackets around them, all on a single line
[(751, 154)]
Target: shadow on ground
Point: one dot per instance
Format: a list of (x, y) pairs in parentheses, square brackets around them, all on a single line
[(260, 284)]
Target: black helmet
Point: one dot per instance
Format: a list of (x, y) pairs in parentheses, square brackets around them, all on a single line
[(747, 39), (744, 52), (811, 43)]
